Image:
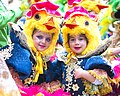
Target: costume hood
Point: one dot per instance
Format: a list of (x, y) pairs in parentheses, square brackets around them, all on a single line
[(78, 21), (93, 6), (44, 18), (90, 5)]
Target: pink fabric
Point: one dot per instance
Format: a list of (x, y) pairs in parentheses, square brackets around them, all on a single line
[(118, 59), (35, 89), (77, 11), (53, 57), (117, 71), (71, 2), (49, 7)]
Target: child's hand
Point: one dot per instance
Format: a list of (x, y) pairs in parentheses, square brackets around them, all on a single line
[(78, 73)]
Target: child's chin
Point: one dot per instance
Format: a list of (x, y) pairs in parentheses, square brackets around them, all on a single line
[(41, 49)]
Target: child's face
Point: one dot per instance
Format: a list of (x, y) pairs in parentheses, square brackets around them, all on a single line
[(78, 43), (41, 40)]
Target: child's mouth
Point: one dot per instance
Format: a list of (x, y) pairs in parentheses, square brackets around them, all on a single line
[(76, 48), (42, 46)]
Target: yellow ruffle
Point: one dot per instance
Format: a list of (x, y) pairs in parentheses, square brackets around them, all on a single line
[(102, 89), (39, 94), (69, 56), (116, 80), (108, 54), (90, 6)]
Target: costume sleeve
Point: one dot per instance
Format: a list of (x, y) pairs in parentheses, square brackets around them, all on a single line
[(16, 57), (98, 62), (102, 72)]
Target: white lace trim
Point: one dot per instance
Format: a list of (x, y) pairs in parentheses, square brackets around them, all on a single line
[(6, 53)]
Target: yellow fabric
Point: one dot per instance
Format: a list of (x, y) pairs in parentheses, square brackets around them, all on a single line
[(40, 94), (102, 89), (90, 5), (69, 57), (39, 66), (108, 54)]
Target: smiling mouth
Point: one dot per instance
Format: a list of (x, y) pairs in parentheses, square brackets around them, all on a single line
[(76, 48), (42, 46)]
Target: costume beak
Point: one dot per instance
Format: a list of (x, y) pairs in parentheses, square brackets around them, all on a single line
[(50, 24), (71, 25), (100, 6)]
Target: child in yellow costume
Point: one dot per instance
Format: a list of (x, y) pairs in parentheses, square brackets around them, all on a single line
[(35, 43), (85, 72)]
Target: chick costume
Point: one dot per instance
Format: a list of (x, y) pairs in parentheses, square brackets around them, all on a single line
[(34, 67), (78, 21)]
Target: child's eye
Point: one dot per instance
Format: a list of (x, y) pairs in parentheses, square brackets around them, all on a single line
[(40, 37), (80, 39), (72, 39), (48, 39)]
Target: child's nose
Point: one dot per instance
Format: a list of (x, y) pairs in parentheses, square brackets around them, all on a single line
[(43, 40), (77, 41)]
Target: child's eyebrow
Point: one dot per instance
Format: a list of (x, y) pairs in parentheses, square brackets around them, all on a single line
[(72, 37)]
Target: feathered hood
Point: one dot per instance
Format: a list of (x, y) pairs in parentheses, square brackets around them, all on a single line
[(90, 5), (93, 6), (44, 18), (78, 21)]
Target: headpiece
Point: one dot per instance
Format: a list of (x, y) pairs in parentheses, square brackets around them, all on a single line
[(90, 5), (78, 21), (45, 18)]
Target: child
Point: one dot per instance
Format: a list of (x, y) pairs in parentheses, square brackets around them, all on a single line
[(39, 35), (86, 72)]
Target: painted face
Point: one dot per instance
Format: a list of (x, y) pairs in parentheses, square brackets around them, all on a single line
[(41, 40), (78, 43)]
